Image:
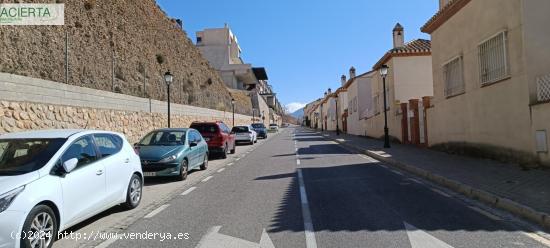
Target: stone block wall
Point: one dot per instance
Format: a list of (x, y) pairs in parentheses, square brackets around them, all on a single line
[(32, 104)]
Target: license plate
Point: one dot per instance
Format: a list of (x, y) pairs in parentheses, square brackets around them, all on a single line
[(150, 174)]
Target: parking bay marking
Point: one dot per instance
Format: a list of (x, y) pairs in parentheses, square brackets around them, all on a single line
[(156, 211), (220, 170), (188, 191), (207, 178)]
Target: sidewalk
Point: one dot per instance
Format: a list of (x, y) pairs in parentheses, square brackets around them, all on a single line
[(505, 186)]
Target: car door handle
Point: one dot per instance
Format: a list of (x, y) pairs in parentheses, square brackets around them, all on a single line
[(99, 172), (127, 160)]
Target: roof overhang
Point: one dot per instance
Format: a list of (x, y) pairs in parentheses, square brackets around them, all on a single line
[(443, 15), (260, 73)]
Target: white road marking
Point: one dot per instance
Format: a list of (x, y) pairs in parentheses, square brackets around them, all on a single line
[(397, 172), (487, 214), (421, 239), (440, 192), (415, 180), (207, 178), (156, 211), (237, 159), (229, 164), (538, 238), (311, 242), (220, 170), (188, 191)]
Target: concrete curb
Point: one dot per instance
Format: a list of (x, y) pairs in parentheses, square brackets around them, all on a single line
[(540, 218)]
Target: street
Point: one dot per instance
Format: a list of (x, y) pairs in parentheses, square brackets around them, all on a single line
[(257, 200)]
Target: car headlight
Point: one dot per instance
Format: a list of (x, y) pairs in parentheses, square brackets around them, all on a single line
[(7, 198), (168, 159)]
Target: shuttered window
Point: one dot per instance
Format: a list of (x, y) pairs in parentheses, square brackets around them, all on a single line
[(493, 59), (454, 77)]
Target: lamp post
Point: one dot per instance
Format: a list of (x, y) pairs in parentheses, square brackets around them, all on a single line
[(233, 106), (337, 125), (168, 77), (263, 116), (384, 73)]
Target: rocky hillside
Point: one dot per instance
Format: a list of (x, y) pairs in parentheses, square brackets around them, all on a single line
[(116, 45)]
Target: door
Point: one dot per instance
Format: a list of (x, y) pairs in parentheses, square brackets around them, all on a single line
[(84, 187), (117, 165), (193, 151)]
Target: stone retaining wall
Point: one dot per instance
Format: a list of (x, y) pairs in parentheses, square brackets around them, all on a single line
[(31, 104)]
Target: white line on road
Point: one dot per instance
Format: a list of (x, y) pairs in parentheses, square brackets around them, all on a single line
[(397, 172), (415, 180), (487, 214), (440, 192), (229, 164), (538, 238), (311, 242), (188, 191), (207, 178), (107, 243), (156, 211), (220, 170)]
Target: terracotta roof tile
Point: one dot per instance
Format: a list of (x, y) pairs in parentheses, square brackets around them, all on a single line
[(418, 47)]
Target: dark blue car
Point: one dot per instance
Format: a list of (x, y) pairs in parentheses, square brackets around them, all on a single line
[(260, 129)]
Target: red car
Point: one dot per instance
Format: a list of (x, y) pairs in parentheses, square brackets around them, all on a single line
[(218, 136)]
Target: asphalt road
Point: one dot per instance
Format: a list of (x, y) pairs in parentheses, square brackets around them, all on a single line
[(301, 190)]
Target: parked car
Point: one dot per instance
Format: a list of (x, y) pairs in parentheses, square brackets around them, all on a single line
[(218, 136), (172, 152), (245, 134), (51, 180), (260, 129), (273, 127)]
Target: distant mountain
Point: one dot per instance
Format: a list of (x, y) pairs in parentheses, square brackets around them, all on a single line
[(298, 114)]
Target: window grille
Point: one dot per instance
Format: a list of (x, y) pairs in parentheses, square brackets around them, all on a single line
[(454, 77), (543, 88), (493, 59)]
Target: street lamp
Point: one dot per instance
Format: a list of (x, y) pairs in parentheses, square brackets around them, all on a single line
[(168, 78), (337, 125), (384, 73), (233, 105), (263, 116)]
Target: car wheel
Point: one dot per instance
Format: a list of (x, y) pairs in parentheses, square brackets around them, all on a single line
[(234, 148), (40, 228), (224, 152), (204, 165), (133, 195), (184, 170)]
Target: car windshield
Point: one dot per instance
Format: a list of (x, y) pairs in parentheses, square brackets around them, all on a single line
[(163, 138), (21, 156), (258, 125), (205, 128), (240, 129)]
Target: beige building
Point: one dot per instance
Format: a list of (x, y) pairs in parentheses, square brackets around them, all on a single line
[(409, 78), (491, 82), (358, 90)]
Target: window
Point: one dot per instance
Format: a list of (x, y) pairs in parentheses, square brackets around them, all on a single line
[(493, 59), (107, 144), (454, 79), (20, 156), (83, 150), (163, 138), (199, 39)]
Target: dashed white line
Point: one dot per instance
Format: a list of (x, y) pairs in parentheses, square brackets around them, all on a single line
[(229, 164), (207, 178), (220, 170), (487, 214), (311, 242), (156, 211), (397, 172), (538, 238), (440, 192), (188, 191)]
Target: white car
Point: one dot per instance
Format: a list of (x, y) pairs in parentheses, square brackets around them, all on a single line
[(53, 179), (245, 134), (273, 127)]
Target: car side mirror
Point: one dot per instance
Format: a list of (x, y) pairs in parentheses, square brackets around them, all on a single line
[(193, 144), (70, 165)]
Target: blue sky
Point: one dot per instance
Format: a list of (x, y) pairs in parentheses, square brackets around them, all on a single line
[(306, 45)]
